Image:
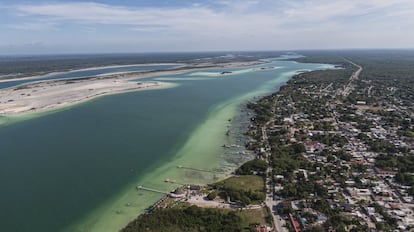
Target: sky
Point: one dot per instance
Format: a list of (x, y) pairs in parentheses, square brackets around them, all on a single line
[(118, 26)]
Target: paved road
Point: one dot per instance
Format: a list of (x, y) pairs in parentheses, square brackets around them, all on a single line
[(349, 87), (269, 201), (278, 221)]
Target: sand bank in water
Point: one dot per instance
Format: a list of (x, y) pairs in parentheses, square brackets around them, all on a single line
[(48, 95)]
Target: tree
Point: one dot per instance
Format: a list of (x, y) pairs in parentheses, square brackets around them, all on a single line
[(298, 148), (251, 166), (330, 158), (317, 228), (212, 195)]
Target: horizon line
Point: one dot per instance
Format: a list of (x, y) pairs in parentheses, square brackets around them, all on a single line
[(200, 51)]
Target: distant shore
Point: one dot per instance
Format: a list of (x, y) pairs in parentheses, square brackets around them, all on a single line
[(11, 77), (35, 76), (40, 96)]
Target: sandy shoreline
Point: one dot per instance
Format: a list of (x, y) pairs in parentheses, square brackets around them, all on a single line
[(49, 95), (40, 96)]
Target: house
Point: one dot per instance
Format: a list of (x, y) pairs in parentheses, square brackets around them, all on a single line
[(358, 192), (346, 207), (261, 228), (279, 177), (288, 120), (194, 187), (385, 172), (312, 146)]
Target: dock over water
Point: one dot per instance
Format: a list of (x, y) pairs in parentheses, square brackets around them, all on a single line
[(199, 170), (151, 190)]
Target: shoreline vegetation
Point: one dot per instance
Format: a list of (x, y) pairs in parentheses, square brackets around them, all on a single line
[(41, 96)]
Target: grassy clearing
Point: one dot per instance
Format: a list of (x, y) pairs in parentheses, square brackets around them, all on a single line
[(245, 183), (252, 216), (243, 190)]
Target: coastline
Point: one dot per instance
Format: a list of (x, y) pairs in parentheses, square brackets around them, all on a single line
[(127, 205), (202, 150), (236, 107), (217, 119), (118, 210)]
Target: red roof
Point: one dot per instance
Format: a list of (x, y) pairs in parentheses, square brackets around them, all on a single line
[(358, 161), (311, 143), (394, 206), (295, 223), (385, 171)]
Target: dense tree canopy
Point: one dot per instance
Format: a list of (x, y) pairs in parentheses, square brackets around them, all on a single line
[(192, 219)]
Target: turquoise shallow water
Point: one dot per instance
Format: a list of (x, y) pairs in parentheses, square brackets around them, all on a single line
[(76, 169)]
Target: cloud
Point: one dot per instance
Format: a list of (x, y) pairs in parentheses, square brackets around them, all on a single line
[(238, 25), (238, 6), (194, 19), (89, 12), (239, 12), (34, 26), (321, 11)]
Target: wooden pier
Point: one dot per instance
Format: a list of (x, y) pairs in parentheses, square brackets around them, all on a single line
[(199, 170), (151, 190)]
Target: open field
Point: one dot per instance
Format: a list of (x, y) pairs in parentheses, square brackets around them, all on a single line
[(245, 183)]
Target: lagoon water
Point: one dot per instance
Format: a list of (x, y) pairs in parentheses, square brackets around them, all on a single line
[(76, 169), (91, 72)]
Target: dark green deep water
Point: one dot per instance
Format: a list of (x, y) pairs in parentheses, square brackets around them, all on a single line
[(56, 168)]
